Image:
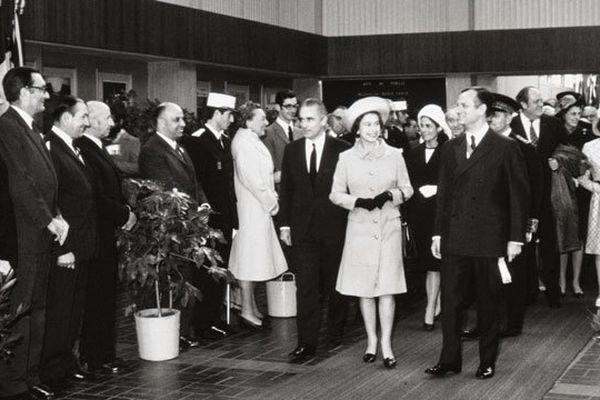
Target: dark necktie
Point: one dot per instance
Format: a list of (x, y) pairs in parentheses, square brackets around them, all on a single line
[(291, 134), (78, 154), (312, 171), (533, 137), (179, 151), (472, 146)]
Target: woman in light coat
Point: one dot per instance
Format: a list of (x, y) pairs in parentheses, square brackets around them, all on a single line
[(371, 181), (255, 251)]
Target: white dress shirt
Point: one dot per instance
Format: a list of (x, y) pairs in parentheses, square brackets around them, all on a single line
[(26, 117), (319, 143), (527, 125), (94, 139), (285, 125), (169, 141), (68, 141)]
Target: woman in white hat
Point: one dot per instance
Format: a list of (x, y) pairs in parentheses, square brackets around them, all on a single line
[(371, 181), (423, 164)]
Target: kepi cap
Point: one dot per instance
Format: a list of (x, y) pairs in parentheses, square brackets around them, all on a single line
[(505, 104), (219, 100)]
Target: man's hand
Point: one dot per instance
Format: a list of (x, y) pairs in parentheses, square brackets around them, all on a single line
[(277, 177), (435, 247), (285, 235), (131, 221), (66, 261), (59, 228), (513, 249), (5, 267)]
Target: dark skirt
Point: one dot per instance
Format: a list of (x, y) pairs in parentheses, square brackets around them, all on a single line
[(421, 216)]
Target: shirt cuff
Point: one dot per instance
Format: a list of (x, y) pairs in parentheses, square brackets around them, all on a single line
[(436, 237), (517, 243), (282, 228)]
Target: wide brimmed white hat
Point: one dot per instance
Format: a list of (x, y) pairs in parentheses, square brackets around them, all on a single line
[(435, 113), (366, 105), (219, 100)]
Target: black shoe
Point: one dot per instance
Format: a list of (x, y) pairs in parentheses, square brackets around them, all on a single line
[(554, 304), (112, 368), (188, 343), (223, 329), (81, 376), (441, 370), (41, 392), (469, 334), (212, 334), (389, 362), (428, 327), (578, 295), (369, 357), (510, 332), (249, 324), (484, 372), (302, 353)]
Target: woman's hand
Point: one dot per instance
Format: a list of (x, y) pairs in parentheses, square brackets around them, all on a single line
[(367, 204), (383, 198)]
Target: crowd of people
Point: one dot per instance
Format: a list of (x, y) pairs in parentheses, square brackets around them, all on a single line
[(497, 193)]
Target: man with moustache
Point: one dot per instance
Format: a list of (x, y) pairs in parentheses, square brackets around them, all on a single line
[(164, 160), (98, 334), (313, 226), (523, 269), (481, 214), (68, 278), (33, 191), (210, 151), (545, 133)]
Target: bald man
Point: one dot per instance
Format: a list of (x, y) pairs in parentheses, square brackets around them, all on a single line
[(98, 337), (162, 159)]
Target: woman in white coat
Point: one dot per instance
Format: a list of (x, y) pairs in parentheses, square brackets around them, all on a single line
[(256, 254), (371, 181)]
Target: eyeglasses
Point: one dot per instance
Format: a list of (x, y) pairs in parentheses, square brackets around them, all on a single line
[(40, 88), (290, 105)]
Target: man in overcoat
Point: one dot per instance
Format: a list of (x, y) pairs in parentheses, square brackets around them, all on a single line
[(481, 215)]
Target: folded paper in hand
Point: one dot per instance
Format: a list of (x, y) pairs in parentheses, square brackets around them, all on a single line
[(428, 190), (504, 273)]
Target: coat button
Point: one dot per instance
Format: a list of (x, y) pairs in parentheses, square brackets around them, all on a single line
[(371, 173), (376, 237), (372, 189), (375, 221)]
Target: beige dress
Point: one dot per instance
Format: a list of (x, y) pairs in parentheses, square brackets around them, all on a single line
[(256, 254), (372, 262)]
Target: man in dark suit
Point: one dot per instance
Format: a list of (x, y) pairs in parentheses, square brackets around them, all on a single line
[(8, 227), (523, 269), (33, 190), (68, 278), (481, 214), (545, 133), (282, 131), (98, 333), (313, 226), (210, 151), (162, 159)]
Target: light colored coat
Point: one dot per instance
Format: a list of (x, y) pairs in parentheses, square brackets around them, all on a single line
[(256, 254), (372, 263)]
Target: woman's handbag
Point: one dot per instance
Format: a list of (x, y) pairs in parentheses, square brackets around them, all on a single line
[(409, 244)]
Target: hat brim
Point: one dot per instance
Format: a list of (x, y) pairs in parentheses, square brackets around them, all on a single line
[(364, 106)]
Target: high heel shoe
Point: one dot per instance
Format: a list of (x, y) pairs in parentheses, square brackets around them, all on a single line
[(389, 362), (428, 327), (249, 324), (369, 357)]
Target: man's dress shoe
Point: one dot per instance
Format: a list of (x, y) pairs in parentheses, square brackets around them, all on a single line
[(428, 327), (441, 370), (302, 353), (469, 334), (187, 343), (484, 372), (80, 376), (41, 392)]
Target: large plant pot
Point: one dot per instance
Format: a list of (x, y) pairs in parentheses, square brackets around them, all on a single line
[(158, 338)]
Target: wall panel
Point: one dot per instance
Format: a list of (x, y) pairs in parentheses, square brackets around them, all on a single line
[(519, 14)]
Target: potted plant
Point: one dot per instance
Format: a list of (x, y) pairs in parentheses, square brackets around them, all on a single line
[(171, 233), (8, 339)]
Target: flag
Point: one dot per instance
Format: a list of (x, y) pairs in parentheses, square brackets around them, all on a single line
[(11, 46)]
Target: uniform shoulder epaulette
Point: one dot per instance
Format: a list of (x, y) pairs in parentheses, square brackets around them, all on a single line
[(199, 132)]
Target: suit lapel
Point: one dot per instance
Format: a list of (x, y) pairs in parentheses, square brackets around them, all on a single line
[(282, 135), (484, 147), (102, 152), (326, 158)]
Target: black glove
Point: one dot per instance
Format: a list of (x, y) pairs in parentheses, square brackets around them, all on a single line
[(383, 198), (367, 204)]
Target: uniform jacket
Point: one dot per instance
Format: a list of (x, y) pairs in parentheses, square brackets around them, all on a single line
[(112, 207), (483, 201), (33, 185), (214, 169), (305, 207), (76, 199), (160, 162)]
